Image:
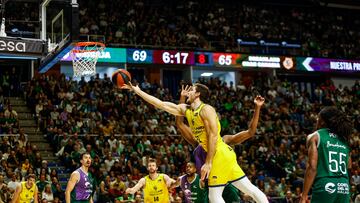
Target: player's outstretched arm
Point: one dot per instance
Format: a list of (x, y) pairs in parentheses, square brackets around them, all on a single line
[(185, 130), (209, 117), (75, 176), (175, 109), (240, 137), (311, 167), (136, 188)]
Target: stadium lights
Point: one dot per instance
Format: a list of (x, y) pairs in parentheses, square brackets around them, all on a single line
[(206, 74)]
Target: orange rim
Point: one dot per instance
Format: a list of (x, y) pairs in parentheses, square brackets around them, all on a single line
[(84, 44)]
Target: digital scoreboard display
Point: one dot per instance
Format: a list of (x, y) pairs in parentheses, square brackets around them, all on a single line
[(203, 59), (139, 56), (173, 57)]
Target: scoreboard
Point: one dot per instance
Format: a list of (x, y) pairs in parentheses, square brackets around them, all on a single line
[(218, 59), (222, 60)]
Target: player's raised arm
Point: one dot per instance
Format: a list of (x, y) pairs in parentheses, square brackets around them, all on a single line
[(175, 109), (240, 137), (209, 117), (137, 187), (185, 130)]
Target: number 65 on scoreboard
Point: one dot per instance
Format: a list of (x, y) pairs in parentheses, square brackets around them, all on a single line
[(139, 56), (225, 59)]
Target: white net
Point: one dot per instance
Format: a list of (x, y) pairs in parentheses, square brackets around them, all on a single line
[(85, 56)]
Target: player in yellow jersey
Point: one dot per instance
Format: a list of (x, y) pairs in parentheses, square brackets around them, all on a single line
[(220, 166), (155, 185), (27, 191)]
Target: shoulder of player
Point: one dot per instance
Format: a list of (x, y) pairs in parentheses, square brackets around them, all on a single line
[(313, 137), (207, 109), (182, 178), (75, 175)]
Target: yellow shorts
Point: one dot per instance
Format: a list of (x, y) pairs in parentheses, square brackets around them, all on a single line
[(224, 167)]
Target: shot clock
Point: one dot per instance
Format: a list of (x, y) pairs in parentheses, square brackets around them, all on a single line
[(139, 56), (173, 57)]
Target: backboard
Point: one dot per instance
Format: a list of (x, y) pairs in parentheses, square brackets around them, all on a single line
[(60, 28)]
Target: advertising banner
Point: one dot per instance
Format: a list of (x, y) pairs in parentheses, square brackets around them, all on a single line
[(327, 65)]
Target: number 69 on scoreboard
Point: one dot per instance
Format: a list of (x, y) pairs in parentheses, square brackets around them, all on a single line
[(139, 56)]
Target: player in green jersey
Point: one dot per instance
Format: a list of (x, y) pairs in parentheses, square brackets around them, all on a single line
[(191, 185), (328, 161)]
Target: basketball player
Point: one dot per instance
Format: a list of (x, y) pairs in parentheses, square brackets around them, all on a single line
[(155, 185), (81, 185), (328, 162), (193, 189), (205, 127), (230, 194), (27, 191), (235, 139)]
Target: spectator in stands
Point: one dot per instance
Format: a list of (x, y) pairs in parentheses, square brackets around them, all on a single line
[(59, 193), (117, 187), (41, 183), (13, 183), (47, 193), (10, 113), (104, 194)]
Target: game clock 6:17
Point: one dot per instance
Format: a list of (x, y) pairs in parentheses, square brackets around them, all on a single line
[(173, 57)]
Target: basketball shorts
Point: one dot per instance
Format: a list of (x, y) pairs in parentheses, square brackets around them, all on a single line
[(333, 190), (224, 167)]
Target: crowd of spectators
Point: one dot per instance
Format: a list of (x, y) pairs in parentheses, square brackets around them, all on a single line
[(9, 86), (216, 25), (121, 132)]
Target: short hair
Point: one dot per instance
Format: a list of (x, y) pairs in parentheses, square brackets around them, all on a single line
[(83, 154), (31, 176), (203, 90), (151, 160)]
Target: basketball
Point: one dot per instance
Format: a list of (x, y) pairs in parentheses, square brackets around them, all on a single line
[(121, 77)]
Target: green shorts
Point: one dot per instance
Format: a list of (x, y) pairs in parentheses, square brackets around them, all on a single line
[(231, 194), (331, 190)]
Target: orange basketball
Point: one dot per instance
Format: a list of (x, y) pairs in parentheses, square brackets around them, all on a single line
[(121, 77)]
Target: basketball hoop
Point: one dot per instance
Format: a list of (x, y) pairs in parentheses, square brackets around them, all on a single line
[(84, 56)]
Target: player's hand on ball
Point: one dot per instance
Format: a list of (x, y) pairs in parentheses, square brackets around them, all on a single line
[(130, 87), (205, 171), (259, 100)]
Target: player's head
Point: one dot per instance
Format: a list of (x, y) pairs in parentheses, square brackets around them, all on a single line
[(190, 168), (198, 91), (336, 121), (30, 179), (152, 166), (85, 159)]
